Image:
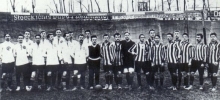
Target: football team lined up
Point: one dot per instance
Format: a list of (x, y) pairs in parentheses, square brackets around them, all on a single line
[(57, 59)]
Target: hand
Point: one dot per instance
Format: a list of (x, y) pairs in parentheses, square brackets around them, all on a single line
[(202, 65), (152, 64), (133, 53), (162, 64), (189, 64), (215, 63)]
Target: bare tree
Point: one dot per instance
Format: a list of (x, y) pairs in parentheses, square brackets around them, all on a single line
[(97, 5), (64, 7), (149, 5), (155, 2), (132, 5), (184, 5), (33, 5), (108, 5), (80, 2), (91, 5), (56, 6), (194, 5), (61, 6), (162, 6), (127, 6), (169, 4), (13, 5), (177, 5), (114, 5), (120, 6)]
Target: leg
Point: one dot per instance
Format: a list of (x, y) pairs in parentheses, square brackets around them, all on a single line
[(138, 71), (91, 77), (97, 73), (82, 73), (18, 75), (201, 73)]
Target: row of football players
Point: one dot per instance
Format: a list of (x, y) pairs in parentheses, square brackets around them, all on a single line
[(63, 56)]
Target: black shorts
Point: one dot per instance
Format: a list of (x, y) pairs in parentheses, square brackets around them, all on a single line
[(213, 68), (80, 67), (94, 64), (38, 67), (128, 62), (67, 67), (52, 68), (184, 67), (158, 68), (195, 65), (143, 66), (173, 67), (23, 68), (8, 67), (108, 68), (118, 68)]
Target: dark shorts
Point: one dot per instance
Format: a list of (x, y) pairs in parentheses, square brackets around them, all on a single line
[(67, 67), (128, 62), (143, 66), (52, 68), (22, 68), (173, 67), (80, 67), (94, 64), (195, 65), (8, 67), (38, 67), (184, 67), (118, 68), (213, 68), (158, 68), (108, 68)]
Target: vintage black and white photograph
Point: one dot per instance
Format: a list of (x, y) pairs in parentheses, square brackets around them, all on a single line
[(109, 49)]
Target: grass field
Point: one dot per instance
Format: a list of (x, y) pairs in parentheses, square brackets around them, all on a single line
[(124, 94)]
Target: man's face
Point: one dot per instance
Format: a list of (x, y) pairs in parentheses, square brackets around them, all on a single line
[(58, 33), (37, 39), (81, 39), (117, 37), (94, 40), (51, 37), (127, 36), (152, 33), (176, 34), (169, 38), (43, 35), (157, 39), (213, 38), (27, 35), (198, 38), (142, 38), (185, 38), (87, 34), (7, 37), (20, 39), (71, 35), (106, 39), (67, 37)]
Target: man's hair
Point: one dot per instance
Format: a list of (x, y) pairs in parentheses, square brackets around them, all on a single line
[(93, 36), (58, 29), (42, 31), (70, 32), (117, 34), (157, 36), (21, 35), (151, 30), (26, 31), (213, 34), (199, 35), (170, 34), (186, 34), (176, 31), (141, 35), (6, 34), (64, 35), (81, 35), (87, 31), (37, 35), (127, 32), (105, 35), (48, 35)]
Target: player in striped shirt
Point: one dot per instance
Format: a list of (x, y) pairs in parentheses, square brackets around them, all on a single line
[(199, 60), (186, 58), (116, 51), (141, 51), (213, 58), (172, 56), (107, 62), (157, 56)]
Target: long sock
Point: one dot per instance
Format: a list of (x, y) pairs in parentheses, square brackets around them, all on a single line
[(161, 81), (107, 79), (174, 80), (119, 80), (131, 77), (156, 81), (214, 81), (185, 80), (139, 79), (75, 81), (128, 78), (191, 79), (110, 79)]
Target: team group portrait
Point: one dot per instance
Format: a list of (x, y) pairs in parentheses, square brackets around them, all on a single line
[(109, 50)]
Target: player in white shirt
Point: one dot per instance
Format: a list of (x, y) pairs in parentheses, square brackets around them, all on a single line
[(7, 57), (52, 56), (73, 41), (38, 54), (87, 41), (67, 54), (28, 42), (58, 40), (80, 55), (22, 64)]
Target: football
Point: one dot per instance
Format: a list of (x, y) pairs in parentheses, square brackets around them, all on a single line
[(98, 87)]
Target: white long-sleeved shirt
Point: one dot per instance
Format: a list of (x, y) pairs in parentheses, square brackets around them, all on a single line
[(81, 52), (28, 44), (38, 54), (87, 42), (21, 53), (67, 52), (53, 54), (7, 52)]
